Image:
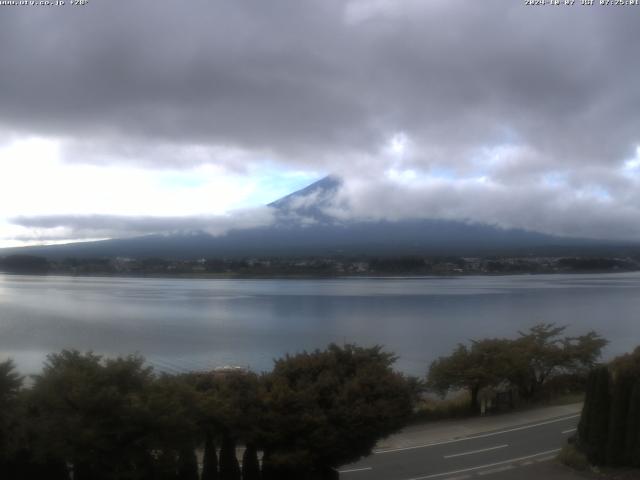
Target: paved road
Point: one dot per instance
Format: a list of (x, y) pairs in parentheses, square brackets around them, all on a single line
[(481, 456)]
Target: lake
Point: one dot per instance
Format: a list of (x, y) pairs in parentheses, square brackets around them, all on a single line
[(196, 324)]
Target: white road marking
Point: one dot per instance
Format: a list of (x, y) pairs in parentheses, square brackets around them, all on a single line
[(471, 469), (476, 451), (461, 477), (569, 431), (353, 470), (496, 470), (484, 435)]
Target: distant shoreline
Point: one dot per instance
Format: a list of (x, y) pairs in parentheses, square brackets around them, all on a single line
[(238, 276), (402, 266)]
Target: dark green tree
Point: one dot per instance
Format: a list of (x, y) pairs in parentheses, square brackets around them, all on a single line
[(10, 384), (586, 423), (632, 440), (13, 459), (327, 408), (618, 418), (229, 467), (187, 464), (250, 464), (230, 406), (210, 459), (626, 369), (594, 423), (172, 409), (110, 418)]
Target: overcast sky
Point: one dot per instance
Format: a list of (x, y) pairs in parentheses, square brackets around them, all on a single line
[(126, 117)]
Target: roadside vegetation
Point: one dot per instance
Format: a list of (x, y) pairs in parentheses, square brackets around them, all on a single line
[(540, 365), (89, 417), (609, 430)]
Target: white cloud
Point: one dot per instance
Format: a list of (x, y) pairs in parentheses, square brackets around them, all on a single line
[(35, 182)]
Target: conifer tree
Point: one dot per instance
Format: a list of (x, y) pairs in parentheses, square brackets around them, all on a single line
[(599, 427), (187, 465), (594, 422), (210, 459), (588, 411), (632, 440), (267, 471), (250, 464), (229, 467), (616, 435)]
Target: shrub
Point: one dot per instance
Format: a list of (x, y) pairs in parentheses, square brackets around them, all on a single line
[(574, 458)]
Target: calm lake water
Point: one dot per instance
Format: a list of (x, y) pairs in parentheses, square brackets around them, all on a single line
[(194, 324)]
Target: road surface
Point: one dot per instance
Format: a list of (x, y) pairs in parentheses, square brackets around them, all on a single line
[(481, 456)]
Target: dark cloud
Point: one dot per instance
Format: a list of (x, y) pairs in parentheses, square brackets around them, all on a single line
[(325, 85), (312, 79)]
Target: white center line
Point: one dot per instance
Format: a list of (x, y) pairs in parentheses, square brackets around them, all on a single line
[(481, 467), (352, 470), (570, 430), (476, 451), (485, 435)]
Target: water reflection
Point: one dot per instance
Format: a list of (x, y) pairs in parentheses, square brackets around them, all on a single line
[(183, 324)]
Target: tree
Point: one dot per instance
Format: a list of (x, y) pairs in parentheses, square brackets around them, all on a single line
[(250, 464), (627, 371), (210, 459), (327, 408), (586, 422), (11, 419), (526, 363), (628, 364), (541, 353), (111, 418), (619, 411), (10, 382), (229, 467), (187, 464), (89, 412), (609, 429), (599, 423), (485, 363), (229, 409), (171, 421), (632, 440)]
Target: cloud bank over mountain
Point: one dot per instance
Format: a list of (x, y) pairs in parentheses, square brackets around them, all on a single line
[(64, 227), (490, 111)]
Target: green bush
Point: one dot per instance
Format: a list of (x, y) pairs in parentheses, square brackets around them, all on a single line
[(574, 458)]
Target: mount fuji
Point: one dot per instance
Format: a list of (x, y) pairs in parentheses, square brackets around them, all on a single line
[(302, 227)]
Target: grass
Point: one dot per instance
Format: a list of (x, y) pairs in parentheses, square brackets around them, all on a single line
[(454, 406), (574, 458), (563, 399)]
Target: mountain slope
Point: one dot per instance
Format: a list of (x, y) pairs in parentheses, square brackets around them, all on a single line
[(302, 228)]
